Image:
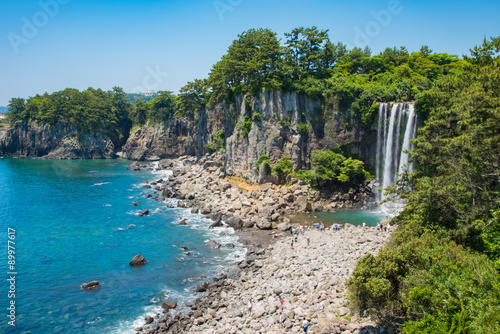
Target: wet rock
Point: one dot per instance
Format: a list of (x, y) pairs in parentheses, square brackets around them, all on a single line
[(138, 260), (134, 166), (213, 245), (136, 203), (169, 305), (183, 222), (143, 213), (201, 287), (91, 285)]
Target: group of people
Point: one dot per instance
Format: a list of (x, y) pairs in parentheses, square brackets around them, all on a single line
[(382, 227), (320, 227)]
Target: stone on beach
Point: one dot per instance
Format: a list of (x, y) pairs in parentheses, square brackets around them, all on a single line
[(168, 305)]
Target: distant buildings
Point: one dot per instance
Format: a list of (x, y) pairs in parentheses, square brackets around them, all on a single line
[(149, 93)]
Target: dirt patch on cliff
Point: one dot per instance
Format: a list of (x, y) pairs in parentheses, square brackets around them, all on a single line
[(242, 183)]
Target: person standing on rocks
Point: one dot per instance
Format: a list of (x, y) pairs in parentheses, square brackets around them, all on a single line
[(308, 240), (281, 302), (364, 226), (250, 306), (305, 324), (282, 319), (291, 243)]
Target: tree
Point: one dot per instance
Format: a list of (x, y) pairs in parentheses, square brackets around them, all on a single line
[(15, 110), (192, 98), (310, 51)]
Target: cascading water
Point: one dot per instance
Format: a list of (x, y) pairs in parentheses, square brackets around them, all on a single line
[(391, 144)]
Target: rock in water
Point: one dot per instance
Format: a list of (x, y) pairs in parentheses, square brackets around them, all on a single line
[(202, 287), (143, 213), (213, 244), (183, 222), (168, 305), (91, 285), (138, 260)]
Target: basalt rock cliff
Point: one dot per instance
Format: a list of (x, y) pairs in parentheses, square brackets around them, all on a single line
[(277, 124), (62, 141)]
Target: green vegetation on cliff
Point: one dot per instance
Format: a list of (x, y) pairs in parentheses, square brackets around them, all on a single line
[(91, 110), (440, 272)]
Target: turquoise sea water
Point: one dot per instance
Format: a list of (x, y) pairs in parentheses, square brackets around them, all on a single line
[(70, 220), (341, 216)]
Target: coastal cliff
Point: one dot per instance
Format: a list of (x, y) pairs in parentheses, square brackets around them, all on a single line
[(276, 124), (62, 141)]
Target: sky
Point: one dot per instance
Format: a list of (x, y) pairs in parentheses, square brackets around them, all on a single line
[(50, 45)]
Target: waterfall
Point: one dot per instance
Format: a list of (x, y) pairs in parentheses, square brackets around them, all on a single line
[(393, 137)]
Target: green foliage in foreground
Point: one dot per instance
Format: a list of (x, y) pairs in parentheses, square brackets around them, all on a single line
[(440, 272), (330, 168), (439, 286)]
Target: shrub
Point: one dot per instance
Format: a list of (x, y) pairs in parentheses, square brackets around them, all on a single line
[(219, 138), (436, 285), (210, 147), (247, 125), (284, 167), (257, 117), (303, 128)]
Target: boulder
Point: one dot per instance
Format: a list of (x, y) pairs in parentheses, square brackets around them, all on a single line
[(143, 213), (218, 223), (202, 287), (265, 186), (183, 222), (264, 224), (195, 209), (138, 260), (213, 244), (225, 185), (135, 166), (205, 211), (284, 226), (181, 204), (168, 305), (91, 285), (234, 222), (248, 223), (136, 203)]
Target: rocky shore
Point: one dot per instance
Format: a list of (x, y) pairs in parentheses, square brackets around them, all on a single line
[(205, 187), (310, 277)]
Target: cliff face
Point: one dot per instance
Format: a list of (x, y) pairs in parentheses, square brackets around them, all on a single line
[(284, 124), (34, 139), (277, 124), (292, 125)]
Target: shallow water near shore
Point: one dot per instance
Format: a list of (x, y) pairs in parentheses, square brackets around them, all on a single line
[(74, 223), (353, 217)]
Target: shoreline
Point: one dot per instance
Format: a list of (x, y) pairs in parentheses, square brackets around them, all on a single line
[(203, 187)]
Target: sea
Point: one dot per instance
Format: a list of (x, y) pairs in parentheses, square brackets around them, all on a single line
[(66, 223)]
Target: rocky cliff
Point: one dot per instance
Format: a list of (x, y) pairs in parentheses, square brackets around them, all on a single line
[(277, 124), (62, 141)]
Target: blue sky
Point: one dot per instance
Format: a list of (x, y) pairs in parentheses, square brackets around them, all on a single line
[(49, 45)]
